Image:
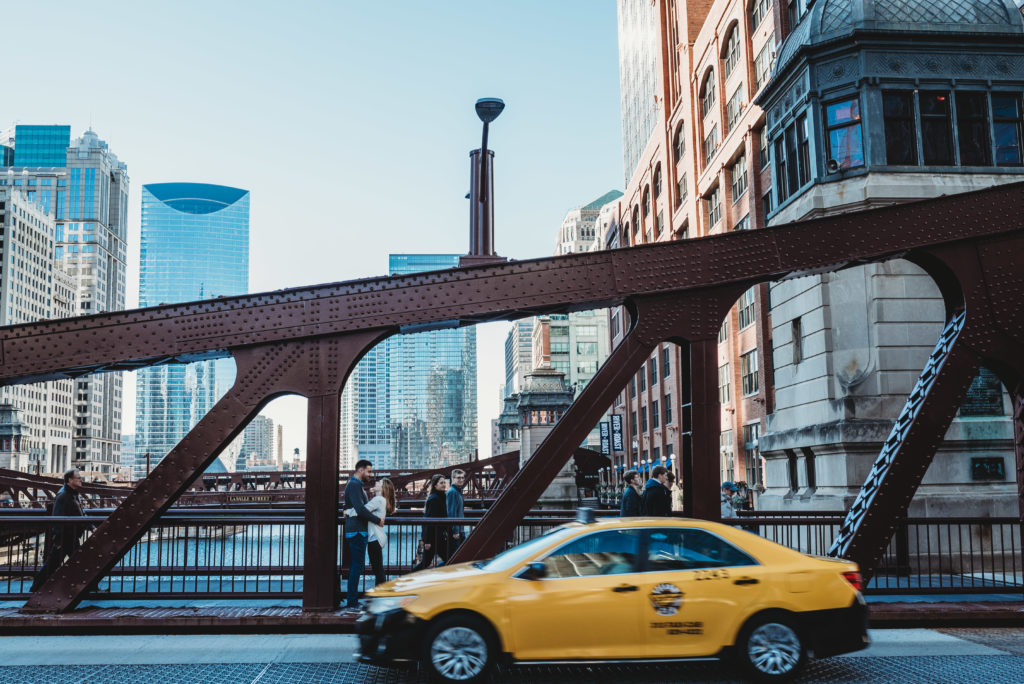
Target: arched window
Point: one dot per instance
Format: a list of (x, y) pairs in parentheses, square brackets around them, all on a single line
[(647, 201), (657, 181), (680, 143), (731, 54), (636, 218), (707, 93), (758, 11)]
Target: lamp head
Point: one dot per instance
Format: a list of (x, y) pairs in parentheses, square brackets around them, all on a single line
[(488, 108)]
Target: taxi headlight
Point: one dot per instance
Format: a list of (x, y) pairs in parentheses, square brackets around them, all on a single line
[(385, 604)]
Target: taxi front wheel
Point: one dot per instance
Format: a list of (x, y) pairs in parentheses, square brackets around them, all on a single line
[(459, 648), (770, 648)]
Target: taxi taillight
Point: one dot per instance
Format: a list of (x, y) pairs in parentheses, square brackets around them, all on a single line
[(855, 580)]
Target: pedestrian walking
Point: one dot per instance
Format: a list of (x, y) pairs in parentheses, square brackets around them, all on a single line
[(630, 505), (435, 537), (656, 500), (728, 491), (62, 539), (382, 505), (455, 505), (356, 528)]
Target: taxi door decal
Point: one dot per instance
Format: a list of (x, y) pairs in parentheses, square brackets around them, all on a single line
[(666, 599)]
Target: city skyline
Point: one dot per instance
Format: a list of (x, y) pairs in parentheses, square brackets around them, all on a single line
[(350, 137)]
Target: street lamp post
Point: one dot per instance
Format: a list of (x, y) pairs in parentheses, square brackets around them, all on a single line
[(481, 191)]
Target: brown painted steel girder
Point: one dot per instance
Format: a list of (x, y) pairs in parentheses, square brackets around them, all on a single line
[(208, 329)]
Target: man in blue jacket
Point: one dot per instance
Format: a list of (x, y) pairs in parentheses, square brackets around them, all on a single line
[(630, 506), (355, 529), (657, 501), (456, 507)]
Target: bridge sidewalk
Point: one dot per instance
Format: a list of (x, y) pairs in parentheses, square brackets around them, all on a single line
[(213, 619)]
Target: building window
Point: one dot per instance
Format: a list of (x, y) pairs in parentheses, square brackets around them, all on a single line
[(764, 62), (739, 177), (743, 223), (707, 93), (763, 148), (647, 201), (900, 130), (655, 415), (679, 148), (657, 181), (752, 455), (972, 129), (652, 371), (659, 223), (798, 341), (844, 134), (728, 464), (666, 363), (766, 203), (758, 11), (723, 332), (732, 50), (668, 409), (643, 379), (723, 384), (615, 324), (681, 192), (936, 128), (643, 419), (748, 372), (745, 309), (632, 386), (1006, 124), (710, 144), (633, 421), (792, 159), (734, 108), (714, 206)]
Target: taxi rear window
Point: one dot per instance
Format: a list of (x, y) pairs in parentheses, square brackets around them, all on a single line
[(681, 548)]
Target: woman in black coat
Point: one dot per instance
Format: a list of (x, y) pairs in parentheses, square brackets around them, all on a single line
[(435, 537), (630, 506)]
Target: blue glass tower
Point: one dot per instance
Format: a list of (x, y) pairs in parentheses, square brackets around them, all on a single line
[(411, 402), (41, 145), (195, 245)]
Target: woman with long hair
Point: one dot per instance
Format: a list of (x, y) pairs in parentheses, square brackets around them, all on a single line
[(435, 538), (381, 505)]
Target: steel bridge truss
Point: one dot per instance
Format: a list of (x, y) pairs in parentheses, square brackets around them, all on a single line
[(306, 341)]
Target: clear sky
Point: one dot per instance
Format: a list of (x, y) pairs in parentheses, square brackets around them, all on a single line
[(349, 122)]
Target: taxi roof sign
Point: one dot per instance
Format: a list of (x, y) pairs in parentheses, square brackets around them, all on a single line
[(585, 516)]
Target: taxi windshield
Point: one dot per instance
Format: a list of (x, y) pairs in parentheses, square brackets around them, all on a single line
[(517, 554)]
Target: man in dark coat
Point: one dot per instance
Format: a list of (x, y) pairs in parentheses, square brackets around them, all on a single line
[(356, 532), (63, 539), (630, 505), (455, 505), (657, 502)]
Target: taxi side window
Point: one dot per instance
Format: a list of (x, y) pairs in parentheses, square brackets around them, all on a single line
[(691, 549), (612, 552)]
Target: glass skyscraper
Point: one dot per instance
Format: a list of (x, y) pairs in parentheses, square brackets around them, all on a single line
[(411, 402), (195, 245), (41, 145)]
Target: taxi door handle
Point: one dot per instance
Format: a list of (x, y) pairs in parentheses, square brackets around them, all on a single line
[(746, 580), (625, 587)]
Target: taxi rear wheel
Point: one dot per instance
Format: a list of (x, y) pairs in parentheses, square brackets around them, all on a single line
[(771, 648), (459, 648)]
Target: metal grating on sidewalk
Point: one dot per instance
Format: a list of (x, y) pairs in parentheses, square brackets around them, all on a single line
[(906, 670)]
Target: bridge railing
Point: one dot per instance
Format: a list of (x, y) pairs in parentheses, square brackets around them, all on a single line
[(259, 553)]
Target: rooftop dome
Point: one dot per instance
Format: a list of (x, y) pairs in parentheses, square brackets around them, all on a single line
[(827, 20)]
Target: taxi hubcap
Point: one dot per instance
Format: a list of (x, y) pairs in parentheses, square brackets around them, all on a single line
[(459, 653), (774, 648)]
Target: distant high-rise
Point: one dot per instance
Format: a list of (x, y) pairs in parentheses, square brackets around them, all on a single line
[(81, 189), (411, 401), (518, 355), (195, 245), (258, 444)]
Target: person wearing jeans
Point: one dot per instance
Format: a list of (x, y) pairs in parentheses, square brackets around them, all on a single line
[(356, 531)]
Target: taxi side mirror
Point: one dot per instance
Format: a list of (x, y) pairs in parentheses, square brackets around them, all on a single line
[(535, 571)]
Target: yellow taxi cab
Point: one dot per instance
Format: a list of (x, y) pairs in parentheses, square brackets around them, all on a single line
[(621, 589)]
